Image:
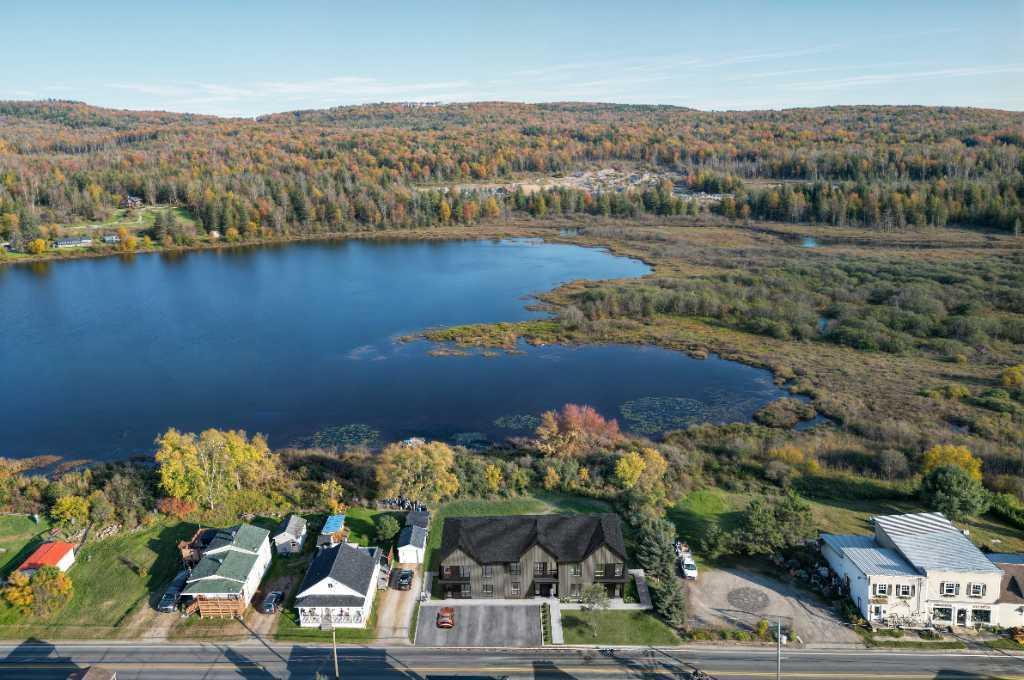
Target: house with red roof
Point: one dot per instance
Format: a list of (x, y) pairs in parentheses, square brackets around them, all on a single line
[(53, 554)]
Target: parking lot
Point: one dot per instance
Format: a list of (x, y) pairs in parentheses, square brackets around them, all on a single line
[(736, 597), (482, 625)]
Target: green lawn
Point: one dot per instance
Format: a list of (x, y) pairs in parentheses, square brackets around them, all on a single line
[(538, 504), (19, 536), (616, 628), (111, 578), (700, 509)]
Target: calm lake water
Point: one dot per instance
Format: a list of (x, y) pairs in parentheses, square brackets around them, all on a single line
[(100, 356)]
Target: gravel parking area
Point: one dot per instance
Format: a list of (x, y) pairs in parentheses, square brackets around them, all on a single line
[(479, 625), (729, 598)]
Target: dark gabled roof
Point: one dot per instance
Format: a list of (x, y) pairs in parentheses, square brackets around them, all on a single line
[(568, 538), (1012, 586), (411, 535), (346, 564), (292, 525), (418, 518)]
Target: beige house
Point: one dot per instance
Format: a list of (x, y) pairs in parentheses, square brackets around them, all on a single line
[(917, 570)]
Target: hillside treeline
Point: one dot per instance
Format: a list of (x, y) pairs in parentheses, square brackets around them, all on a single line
[(369, 166)]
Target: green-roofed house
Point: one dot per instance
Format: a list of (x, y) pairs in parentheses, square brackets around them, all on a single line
[(224, 581)]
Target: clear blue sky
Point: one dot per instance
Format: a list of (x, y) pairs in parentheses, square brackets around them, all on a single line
[(251, 57)]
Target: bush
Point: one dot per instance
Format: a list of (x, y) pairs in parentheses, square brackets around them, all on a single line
[(953, 492)]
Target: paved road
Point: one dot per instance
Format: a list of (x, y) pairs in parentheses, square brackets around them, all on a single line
[(255, 660)]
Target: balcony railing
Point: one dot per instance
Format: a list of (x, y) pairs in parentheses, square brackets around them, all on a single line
[(453, 575)]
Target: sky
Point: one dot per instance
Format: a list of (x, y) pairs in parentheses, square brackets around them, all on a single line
[(252, 57)]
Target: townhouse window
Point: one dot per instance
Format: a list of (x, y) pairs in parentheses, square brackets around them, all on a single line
[(618, 568), (574, 589), (949, 589), (575, 569), (942, 614), (466, 590), (488, 571), (976, 589), (981, 616), (540, 568), (880, 589), (487, 590), (904, 590), (514, 569), (515, 589)]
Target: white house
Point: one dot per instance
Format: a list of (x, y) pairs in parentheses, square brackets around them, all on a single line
[(339, 587), (412, 544), (917, 570), (229, 573), (290, 535)]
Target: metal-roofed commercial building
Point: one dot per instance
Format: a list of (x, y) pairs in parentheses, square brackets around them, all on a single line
[(917, 570)]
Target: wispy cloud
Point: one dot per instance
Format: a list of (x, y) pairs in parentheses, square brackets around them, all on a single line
[(867, 80)]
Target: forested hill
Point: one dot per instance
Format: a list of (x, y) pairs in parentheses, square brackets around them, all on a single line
[(385, 165)]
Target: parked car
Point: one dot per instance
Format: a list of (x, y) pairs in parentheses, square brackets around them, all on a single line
[(272, 602), (690, 569), (446, 617), (404, 581), (169, 600)]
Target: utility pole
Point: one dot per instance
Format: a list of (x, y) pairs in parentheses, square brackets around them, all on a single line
[(324, 625), (778, 658)]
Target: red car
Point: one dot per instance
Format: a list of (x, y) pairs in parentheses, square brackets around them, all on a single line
[(446, 617)]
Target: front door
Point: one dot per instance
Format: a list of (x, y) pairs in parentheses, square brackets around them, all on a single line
[(961, 617), (877, 613), (544, 589)]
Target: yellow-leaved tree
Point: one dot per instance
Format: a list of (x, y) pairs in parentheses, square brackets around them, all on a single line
[(942, 455), (419, 471), (205, 469)]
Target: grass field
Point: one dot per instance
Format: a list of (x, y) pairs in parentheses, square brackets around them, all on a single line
[(616, 628), (136, 220), (702, 508), (111, 578), (19, 536), (539, 504)]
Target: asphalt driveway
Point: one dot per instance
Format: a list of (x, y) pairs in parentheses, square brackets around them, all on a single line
[(482, 625)]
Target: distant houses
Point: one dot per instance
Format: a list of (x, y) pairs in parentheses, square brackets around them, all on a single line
[(111, 239), (57, 554), (232, 564), (290, 535), (339, 587), (131, 202), (73, 242)]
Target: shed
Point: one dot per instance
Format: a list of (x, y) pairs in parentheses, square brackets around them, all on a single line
[(290, 535), (412, 545)]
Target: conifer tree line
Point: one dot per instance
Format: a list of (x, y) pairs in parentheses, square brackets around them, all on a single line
[(398, 166)]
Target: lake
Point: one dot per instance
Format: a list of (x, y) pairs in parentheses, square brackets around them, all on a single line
[(299, 342)]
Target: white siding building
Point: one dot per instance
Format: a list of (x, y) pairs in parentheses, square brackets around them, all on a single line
[(917, 570), (339, 587)]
